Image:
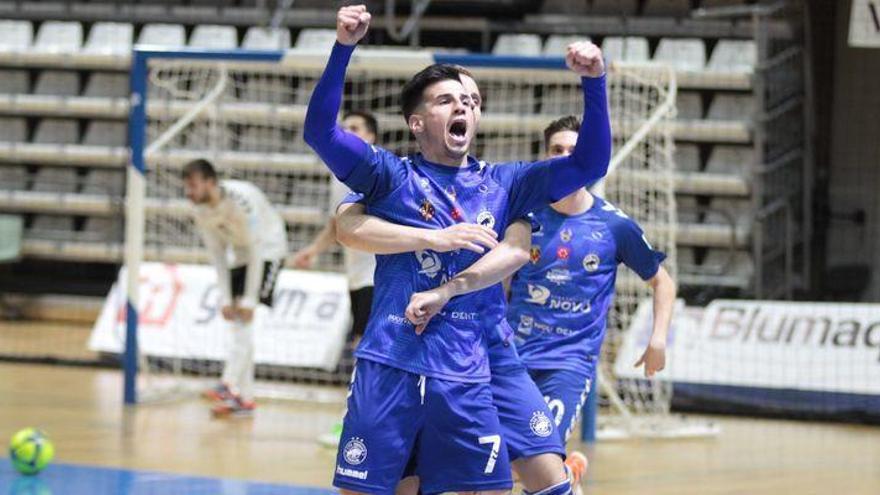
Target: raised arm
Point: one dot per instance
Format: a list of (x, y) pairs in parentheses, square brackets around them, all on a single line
[(499, 263), (548, 181), (340, 150), (357, 230)]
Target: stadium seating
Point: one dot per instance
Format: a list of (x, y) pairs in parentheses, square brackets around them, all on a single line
[(59, 37), (216, 37), (683, 54), (162, 35), (528, 45), (16, 36), (626, 49), (259, 38), (110, 37)]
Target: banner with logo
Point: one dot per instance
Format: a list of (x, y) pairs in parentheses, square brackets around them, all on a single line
[(822, 347), (180, 317)]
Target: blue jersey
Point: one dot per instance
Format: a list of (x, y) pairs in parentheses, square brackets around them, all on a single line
[(559, 301), (412, 191)]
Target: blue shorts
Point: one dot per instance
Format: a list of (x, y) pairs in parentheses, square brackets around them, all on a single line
[(565, 392), (526, 421), (450, 428)]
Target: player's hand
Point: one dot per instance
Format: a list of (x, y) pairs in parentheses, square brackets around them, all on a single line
[(471, 236), (352, 23), (304, 258), (585, 59), (654, 358), (245, 314), (425, 305), (228, 311)]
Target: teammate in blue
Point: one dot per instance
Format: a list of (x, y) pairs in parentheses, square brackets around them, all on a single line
[(534, 448), (433, 386), (559, 301)]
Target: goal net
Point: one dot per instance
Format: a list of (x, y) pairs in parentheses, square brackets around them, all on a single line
[(247, 117)]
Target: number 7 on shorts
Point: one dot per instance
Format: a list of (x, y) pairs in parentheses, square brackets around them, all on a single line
[(495, 440)]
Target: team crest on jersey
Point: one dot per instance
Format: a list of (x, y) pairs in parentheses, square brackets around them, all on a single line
[(538, 294), (565, 235), (591, 262), (563, 252), (355, 451), (456, 214), (427, 209), (525, 324), (426, 184), (483, 188), (486, 219), (541, 424), (535, 254)]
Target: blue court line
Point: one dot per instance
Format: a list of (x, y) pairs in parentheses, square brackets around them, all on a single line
[(73, 479)]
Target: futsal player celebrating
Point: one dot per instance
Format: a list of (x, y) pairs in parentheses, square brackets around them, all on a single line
[(434, 386), (247, 242)]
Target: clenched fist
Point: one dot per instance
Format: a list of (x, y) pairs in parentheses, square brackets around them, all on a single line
[(585, 59), (352, 23)]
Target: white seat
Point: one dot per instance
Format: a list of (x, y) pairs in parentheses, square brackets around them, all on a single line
[(557, 43), (734, 55), (261, 38), (214, 36), (99, 133), (518, 44), (104, 182), (16, 36), (732, 107), (103, 84), (53, 82), (628, 49), (677, 8), (162, 35), (57, 131), (15, 82), (52, 227), (687, 157), (730, 159), (59, 37), (318, 39), (13, 129), (682, 53), (13, 177), (110, 37), (689, 105), (55, 179)]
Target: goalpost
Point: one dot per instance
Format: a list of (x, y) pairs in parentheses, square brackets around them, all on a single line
[(244, 110)]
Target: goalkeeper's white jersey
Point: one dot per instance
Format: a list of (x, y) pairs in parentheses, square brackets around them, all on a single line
[(243, 226)]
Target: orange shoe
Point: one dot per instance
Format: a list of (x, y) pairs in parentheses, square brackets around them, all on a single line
[(217, 393), (576, 464), (234, 406)]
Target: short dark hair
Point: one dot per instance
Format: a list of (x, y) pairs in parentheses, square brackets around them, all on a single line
[(567, 123), (200, 166), (369, 119), (411, 94)]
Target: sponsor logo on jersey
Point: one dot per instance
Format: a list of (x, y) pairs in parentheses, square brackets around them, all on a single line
[(456, 214), (562, 252), (483, 188), (565, 235), (450, 192), (591, 262), (525, 324), (427, 209), (570, 305), (535, 254), (538, 294), (429, 262), (486, 219), (541, 424), (355, 451), (559, 276), (597, 235), (398, 320)]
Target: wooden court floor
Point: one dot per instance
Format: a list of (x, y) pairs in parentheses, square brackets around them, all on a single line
[(81, 409)]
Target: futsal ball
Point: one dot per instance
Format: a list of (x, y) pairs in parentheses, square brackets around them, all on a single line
[(30, 451)]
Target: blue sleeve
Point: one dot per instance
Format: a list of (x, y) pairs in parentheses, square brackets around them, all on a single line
[(634, 250), (547, 181), (362, 167)]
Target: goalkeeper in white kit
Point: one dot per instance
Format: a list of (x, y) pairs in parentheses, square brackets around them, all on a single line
[(247, 242)]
